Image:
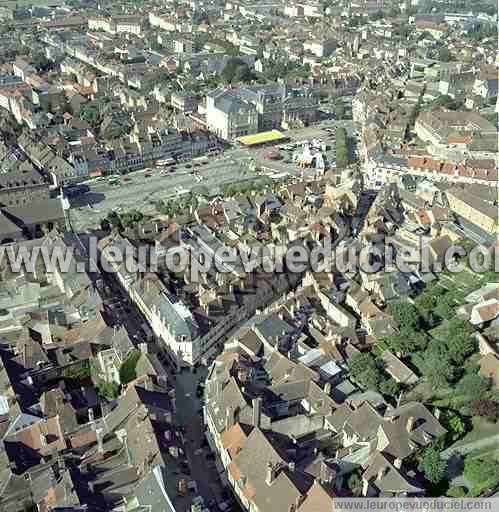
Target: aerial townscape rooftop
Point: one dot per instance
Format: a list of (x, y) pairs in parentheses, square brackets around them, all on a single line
[(249, 255)]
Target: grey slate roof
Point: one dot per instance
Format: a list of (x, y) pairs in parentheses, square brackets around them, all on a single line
[(150, 492), (37, 213)]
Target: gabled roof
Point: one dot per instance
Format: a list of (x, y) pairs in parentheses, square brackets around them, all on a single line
[(234, 439), (252, 462), (382, 474), (318, 499)]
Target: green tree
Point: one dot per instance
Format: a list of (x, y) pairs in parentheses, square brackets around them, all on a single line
[(431, 465), (342, 159), (427, 301), (446, 305), (492, 118), (199, 17), (483, 474), (405, 343), (114, 220), (354, 482), (456, 492), (406, 315), (76, 377), (444, 54), (453, 423), (236, 70), (128, 368), (89, 113), (130, 218), (339, 108), (460, 341), (41, 62), (436, 365), (444, 102), (243, 74), (389, 387), (377, 15), (404, 31), (483, 31), (472, 385), (108, 390), (365, 370)]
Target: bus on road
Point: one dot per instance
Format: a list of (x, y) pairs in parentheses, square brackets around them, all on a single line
[(166, 162)]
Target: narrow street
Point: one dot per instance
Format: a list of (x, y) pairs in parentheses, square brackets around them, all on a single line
[(190, 416)]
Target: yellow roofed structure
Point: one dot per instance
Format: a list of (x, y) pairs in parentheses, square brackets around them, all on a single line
[(261, 138)]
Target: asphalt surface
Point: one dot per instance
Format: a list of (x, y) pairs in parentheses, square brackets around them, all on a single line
[(142, 192), (189, 414)]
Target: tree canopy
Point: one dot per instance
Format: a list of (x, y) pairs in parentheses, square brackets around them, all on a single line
[(406, 315), (236, 70), (129, 366), (431, 465), (483, 474), (339, 108), (444, 54), (342, 159), (472, 385), (365, 370)]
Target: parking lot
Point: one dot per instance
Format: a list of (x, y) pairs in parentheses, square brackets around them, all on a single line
[(323, 132), (143, 189)]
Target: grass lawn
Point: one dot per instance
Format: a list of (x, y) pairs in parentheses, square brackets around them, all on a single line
[(486, 453), (379, 348), (480, 430), (466, 281)]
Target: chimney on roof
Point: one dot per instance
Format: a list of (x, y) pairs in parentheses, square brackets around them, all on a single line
[(410, 424), (381, 472), (229, 418), (61, 465), (299, 501), (270, 477), (397, 463), (291, 466), (325, 473), (257, 411), (399, 400), (100, 438)]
